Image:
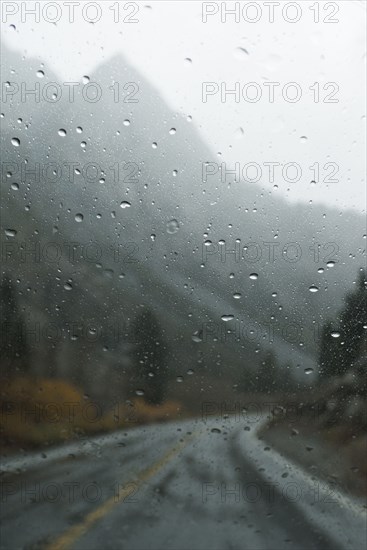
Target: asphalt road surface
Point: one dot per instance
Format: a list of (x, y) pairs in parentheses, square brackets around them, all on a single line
[(178, 486)]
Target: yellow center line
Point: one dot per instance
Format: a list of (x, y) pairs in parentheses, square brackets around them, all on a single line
[(65, 540)]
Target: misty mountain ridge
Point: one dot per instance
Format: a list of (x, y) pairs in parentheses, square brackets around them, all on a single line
[(161, 248)]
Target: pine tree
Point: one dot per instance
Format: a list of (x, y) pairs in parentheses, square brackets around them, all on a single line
[(268, 373), (353, 318), (150, 368), (337, 354), (329, 352), (13, 345)]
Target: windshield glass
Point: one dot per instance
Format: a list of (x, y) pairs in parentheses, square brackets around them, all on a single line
[(183, 275)]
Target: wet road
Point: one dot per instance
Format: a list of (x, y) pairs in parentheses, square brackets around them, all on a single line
[(192, 484)]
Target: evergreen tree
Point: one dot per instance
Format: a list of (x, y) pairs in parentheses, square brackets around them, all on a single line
[(353, 318), (13, 345), (338, 353), (329, 351), (268, 379), (150, 368)]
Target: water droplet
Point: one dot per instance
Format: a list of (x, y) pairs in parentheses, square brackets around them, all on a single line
[(190, 372), (188, 61), (254, 276), (174, 173), (172, 227), (10, 232), (308, 370), (40, 74), (320, 270), (14, 186), (196, 337), (83, 144), (172, 131), (239, 133), (335, 334), (274, 294), (240, 53), (237, 295), (227, 318), (79, 130), (79, 217), (154, 145), (313, 288), (303, 139), (179, 379), (125, 204), (68, 286), (330, 264), (15, 142), (12, 27), (139, 392), (85, 79), (62, 132), (126, 122), (215, 430)]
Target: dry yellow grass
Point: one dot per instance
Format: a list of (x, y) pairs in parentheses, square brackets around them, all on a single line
[(47, 411)]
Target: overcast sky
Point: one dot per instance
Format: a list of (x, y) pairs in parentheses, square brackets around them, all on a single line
[(168, 33)]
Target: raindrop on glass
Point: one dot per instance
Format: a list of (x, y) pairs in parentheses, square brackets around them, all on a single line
[(172, 227), (227, 318), (240, 53)]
